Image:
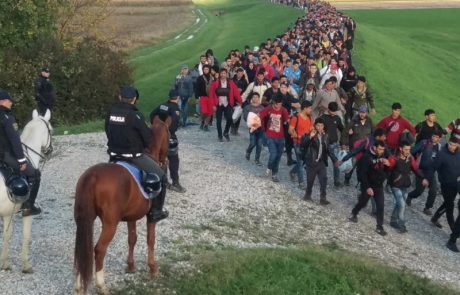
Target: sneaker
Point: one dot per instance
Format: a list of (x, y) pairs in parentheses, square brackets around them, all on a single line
[(268, 173), (275, 178), (221, 139), (337, 184), (435, 222), (353, 218), (452, 246), (307, 198), (206, 128), (427, 211), (201, 126), (227, 138), (409, 201), (292, 176), (257, 162), (394, 224), (177, 188), (302, 186), (323, 201), (248, 156), (291, 162), (31, 211), (381, 232), (346, 182), (402, 230)]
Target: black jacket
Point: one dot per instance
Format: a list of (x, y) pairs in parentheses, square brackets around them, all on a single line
[(448, 167), (10, 141), (164, 110), (311, 147), (202, 86), (44, 92), (127, 132), (332, 124), (371, 171)]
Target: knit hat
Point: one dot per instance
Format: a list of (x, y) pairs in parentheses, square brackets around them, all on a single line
[(362, 109)]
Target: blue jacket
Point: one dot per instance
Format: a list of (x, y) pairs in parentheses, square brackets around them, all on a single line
[(425, 149), (448, 166)]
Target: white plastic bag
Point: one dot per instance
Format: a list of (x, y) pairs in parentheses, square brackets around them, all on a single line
[(237, 112), (347, 165), (253, 121)]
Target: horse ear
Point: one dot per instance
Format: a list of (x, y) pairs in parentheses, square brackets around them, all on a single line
[(34, 114), (47, 116)]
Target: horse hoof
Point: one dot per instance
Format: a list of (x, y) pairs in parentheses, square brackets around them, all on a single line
[(130, 269), (103, 291), (7, 268), (28, 271)]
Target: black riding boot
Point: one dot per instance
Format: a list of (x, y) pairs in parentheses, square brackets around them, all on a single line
[(156, 212), (28, 207)]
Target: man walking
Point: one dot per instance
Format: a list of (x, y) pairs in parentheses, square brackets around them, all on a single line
[(372, 175)]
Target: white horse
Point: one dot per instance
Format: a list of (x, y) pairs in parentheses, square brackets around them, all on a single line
[(35, 137)]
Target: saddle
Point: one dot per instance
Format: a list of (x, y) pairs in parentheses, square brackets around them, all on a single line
[(17, 186), (149, 183)]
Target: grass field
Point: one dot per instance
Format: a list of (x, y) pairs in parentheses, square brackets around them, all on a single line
[(411, 56), (310, 270), (242, 22)]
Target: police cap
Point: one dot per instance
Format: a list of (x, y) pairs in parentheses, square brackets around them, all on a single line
[(5, 95)]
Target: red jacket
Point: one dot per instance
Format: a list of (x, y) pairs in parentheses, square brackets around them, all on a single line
[(394, 128), (269, 71), (233, 96)]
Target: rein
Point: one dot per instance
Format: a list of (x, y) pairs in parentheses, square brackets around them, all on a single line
[(48, 151)]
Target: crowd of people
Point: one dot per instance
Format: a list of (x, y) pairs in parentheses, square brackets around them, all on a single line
[(300, 94)]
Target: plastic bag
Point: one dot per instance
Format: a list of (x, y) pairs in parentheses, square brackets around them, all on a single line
[(347, 165), (237, 112), (253, 121)]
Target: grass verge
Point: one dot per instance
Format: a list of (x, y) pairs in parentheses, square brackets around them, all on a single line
[(411, 56), (310, 270)]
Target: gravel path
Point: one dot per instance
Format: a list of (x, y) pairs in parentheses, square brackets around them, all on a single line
[(228, 203)]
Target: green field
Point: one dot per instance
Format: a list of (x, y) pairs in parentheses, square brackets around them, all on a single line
[(411, 56), (310, 270), (240, 23)]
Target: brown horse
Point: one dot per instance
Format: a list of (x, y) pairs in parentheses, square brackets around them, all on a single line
[(109, 192)]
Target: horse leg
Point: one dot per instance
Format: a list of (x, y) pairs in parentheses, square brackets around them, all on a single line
[(107, 234), (7, 231), (132, 239), (151, 249), (26, 229)]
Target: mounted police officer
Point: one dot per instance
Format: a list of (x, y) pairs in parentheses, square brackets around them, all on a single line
[(44, 94), (171, 109), (128, 136), (12, 154)]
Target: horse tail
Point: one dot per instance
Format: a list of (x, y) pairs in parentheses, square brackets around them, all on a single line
[(84, 214)]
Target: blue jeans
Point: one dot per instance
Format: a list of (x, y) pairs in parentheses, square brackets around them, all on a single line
[(183, 109), (334, 148), (275, 149), (255, 141), (298, 167), (400, 196)]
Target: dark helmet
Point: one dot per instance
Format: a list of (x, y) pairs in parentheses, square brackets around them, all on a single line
[(19, 189), (152, 184)]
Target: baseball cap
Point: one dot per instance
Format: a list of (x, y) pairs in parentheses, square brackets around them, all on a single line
[(362, 109), (173, 93)]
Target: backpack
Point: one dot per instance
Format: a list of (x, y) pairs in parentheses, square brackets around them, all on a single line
[(358, 143)]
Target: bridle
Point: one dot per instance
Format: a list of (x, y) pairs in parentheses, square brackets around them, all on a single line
[(44, 154)]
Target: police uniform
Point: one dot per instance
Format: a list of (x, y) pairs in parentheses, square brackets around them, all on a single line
[(164, 110), (44, 94), (12, 155), (128, 136)]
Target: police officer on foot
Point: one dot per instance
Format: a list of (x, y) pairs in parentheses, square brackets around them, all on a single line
[(12, 154), (128, 136), (171, 109), (44, 94)]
